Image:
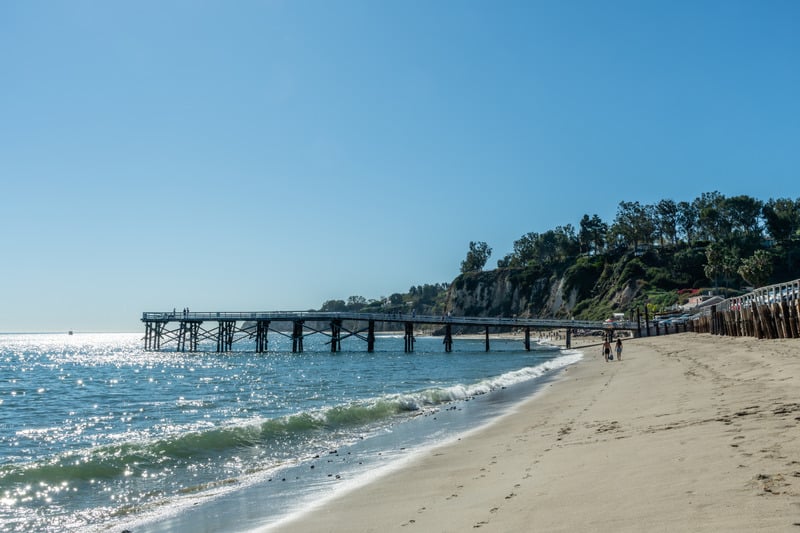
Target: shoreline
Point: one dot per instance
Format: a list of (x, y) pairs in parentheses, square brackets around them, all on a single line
[(687, 432)]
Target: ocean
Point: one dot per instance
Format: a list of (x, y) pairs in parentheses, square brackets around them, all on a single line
[(97, 434)]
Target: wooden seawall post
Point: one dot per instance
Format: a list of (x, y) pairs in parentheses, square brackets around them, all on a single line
[(638, 323)]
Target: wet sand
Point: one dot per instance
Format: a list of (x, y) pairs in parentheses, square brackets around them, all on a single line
[(688, 432)]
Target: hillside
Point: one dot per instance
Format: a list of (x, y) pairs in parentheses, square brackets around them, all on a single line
[(594, 287)]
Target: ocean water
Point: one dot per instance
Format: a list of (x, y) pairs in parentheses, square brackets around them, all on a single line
[(97, 434)]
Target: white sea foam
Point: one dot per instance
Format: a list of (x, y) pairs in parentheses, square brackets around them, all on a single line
[(432, 397)]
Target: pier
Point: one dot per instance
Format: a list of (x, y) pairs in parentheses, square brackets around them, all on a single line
[(187, 330)]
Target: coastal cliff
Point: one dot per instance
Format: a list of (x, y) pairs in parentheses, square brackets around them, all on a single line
[(510, 292), (583, 288)]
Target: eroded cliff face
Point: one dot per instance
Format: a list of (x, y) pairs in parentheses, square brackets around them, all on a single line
[(508, 292)]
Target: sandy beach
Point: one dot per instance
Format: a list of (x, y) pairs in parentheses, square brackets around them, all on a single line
[(688, 432)]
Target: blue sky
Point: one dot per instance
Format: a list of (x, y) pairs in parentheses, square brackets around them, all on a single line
[(266, 155)]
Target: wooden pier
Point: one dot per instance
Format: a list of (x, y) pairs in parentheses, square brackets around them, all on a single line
[(187, 330)]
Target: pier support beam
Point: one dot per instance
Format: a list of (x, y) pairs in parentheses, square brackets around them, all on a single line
[(188, 331), (152, 335), (182, 327), (225, 335), (528, 339), (336, 335), (448, 338), (487, 338), (409, 337), (297, 336), (371, 336), (262, 329), (569, 338), (194, 330)]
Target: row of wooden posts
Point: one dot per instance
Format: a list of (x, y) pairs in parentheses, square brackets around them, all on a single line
[(779, 320), (768, 313)]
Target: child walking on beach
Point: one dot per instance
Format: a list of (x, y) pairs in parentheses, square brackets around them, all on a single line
[(619, 349), (606, 350)]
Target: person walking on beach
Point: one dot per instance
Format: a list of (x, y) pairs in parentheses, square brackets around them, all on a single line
[(606, 350), (619, 349)]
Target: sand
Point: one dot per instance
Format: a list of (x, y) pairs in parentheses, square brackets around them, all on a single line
[(688, 432)]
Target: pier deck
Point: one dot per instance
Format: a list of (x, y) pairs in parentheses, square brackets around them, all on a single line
[(187, 329)]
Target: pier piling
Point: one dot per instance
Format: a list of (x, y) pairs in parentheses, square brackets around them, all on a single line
[(409, 337)]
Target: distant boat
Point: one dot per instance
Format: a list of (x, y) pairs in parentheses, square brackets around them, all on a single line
[(70, 332)]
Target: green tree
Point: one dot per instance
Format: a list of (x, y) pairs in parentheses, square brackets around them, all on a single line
[(545, 248), (666, 221), (592, 234), (355, 303), (757, 268), (713, 267), (730, 264), (477, 256), (743, 215), (711, 221), (524, 250), (566, 242), (781, 217), (687, 220), (506, 261), (722, 262), (334, 306), (634, 224)]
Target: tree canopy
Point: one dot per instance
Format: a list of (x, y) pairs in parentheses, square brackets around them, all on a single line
[(477, 256), (736, 226)]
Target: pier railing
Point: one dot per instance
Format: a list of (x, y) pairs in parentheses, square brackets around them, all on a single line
[(381, 317)]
